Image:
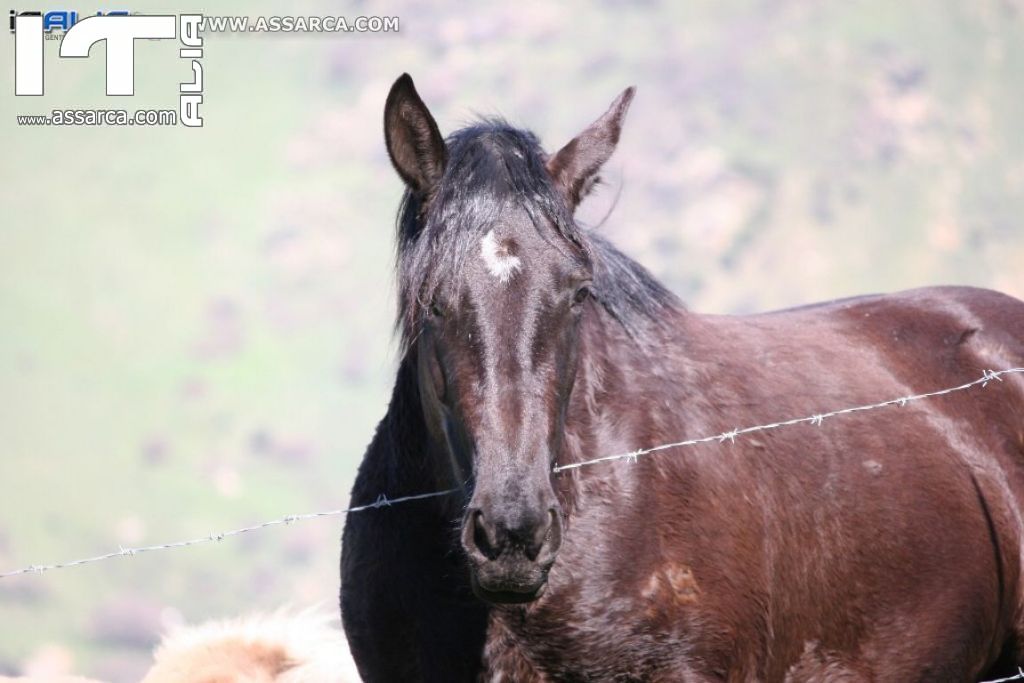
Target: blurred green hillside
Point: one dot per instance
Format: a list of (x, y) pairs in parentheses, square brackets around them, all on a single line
[(195, 325)]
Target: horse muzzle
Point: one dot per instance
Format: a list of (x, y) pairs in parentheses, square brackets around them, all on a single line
[(509, 560)]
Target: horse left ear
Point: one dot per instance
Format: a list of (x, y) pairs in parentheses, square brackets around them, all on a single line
[(414, 142), (574, 167)]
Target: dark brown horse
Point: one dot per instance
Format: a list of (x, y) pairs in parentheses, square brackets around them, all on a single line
[(877, 546)]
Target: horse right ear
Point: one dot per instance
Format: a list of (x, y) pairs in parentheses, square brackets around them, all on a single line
[(574, 168), (414, 142)]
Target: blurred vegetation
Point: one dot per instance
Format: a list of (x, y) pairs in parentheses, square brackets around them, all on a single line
[(195, 325)]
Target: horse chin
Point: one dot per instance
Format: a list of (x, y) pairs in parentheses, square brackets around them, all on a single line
[(506, 592)]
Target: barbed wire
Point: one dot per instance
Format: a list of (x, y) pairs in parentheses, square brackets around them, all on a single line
[(1019, 676), (815, 420), (383, 501)]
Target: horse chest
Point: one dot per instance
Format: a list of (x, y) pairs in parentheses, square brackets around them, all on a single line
[(655, 632)]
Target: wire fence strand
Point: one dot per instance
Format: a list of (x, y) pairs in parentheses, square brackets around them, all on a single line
[(816, 420), (382, 501), (988, 376)]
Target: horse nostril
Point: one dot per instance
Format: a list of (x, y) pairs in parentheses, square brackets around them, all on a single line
[(539, 536), (551, 540), (479, 538)]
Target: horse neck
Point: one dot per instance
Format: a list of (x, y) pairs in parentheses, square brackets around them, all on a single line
[(624, 379), (626, 367)]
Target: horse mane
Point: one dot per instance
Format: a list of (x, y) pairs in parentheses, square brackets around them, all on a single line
[(492, 167)]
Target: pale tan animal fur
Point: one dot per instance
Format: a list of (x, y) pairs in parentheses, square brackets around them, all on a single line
[(278, 648)]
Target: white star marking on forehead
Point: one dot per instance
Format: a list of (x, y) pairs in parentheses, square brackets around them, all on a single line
[(500, 263)]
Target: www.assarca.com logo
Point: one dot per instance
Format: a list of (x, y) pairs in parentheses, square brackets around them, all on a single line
[(120, 31)]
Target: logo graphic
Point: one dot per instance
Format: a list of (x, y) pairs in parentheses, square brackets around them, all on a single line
[(120, 32), (61, 20)]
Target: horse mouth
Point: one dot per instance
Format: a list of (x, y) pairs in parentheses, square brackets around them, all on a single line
[(507, 593)]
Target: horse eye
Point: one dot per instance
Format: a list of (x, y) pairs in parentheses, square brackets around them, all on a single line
[(580, 296), (435, 310)]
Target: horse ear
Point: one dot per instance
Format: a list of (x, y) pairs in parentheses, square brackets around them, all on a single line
[(413, 140), (574, 167)]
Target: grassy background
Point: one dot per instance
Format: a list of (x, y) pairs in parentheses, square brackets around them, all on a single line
[(195, 324)]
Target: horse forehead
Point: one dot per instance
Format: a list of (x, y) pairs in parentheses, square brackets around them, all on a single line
[(506, 286), (501, 255)]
